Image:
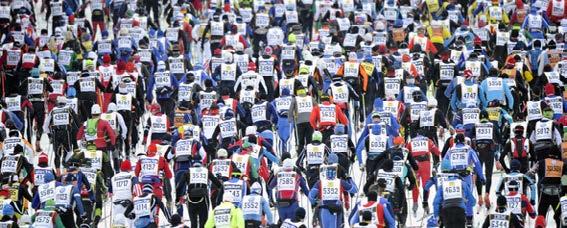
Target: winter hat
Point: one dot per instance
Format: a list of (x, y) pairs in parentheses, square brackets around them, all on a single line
[(152, 148), (515, 165), (8, 210), (43, 159), (501, 201), (300, 213), (398, 140), (549, 89), (285, 92), (467, 73), (125, 166), (106, 58), (333, 158)]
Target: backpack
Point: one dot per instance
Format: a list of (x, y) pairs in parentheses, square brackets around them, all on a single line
[(518, 150)]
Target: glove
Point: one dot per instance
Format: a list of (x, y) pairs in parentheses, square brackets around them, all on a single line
[(425, 206), (181, 200), (532, 202), (131, 216), (482, 181), (84, 217)]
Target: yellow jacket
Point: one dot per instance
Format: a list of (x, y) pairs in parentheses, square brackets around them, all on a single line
[(236, 216)]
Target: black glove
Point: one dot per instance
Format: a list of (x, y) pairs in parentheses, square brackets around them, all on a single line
[(131, 216)]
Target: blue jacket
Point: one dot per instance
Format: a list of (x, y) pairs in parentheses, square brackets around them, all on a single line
[(502, 95), (472, 161), (167, 94), (346, 185), (467, 195), (265, 210)]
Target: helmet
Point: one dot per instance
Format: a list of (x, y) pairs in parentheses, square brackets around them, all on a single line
[(339, 129), (111, 107), (446, 165), (317, 136), (228, 115), (256, 188), (95, 109), (222, 153), (61, 100)]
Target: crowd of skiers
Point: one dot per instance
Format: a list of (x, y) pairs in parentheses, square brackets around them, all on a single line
[(255, 113)]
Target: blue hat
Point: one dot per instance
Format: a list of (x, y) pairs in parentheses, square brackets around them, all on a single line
[(332, 158), (8, 210), (375, 129), (71, 92), (446, 165), (378, 104), (285, 92), (34, 72), (48, 177), (339, 129)]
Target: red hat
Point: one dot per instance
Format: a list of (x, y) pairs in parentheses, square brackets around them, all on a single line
[(398, 140), (135, 23), (217, 52), (382, 49), (120, 67), (406, 58), (43, 158), (71, 19), (106, 58), (467, 73), (130, 67), (477, 41), (152, 148), (252, 66), (511, 61), (125, 166), (549, 89)]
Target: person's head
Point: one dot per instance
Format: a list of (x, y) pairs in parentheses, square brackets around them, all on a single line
[(501, 202), (71, 179), (519, 130), (43, 160), (460, 138), (256, 188), (417, 96), (332, 159), (339, 129), (513, 186), (547, 111), (299, 214), (8, 210), (126, 166), (375, 129), (399, 141), (222, 153), (95, 111), (367, 217), (515, 165), (317, 137), (287, 165), (446, 165), (388, 164)]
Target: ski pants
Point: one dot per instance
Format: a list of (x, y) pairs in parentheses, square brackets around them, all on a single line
[(284, 132), (423, 174), (486, 157), (304, 132), (545, 201), (287, 212), (39, 117), (329, 219), (198, 211), (61, 139), (118, 218), (453, 217)]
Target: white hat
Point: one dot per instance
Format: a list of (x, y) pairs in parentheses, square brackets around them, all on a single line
[(95, 109)]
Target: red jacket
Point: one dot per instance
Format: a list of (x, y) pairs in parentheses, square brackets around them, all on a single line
[(162, 166), (315, 119), (430, 146), (549, 11), (103, 132)]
